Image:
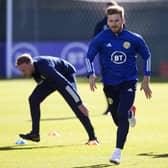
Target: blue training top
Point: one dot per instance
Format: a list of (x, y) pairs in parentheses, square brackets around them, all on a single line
[(52, 69), (117, 55)]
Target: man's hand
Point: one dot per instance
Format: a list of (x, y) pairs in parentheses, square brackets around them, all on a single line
[(92, 84), (145, 87)]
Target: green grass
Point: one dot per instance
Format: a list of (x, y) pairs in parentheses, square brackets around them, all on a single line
[(146, 147)]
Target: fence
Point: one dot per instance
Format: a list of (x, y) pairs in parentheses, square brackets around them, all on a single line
[(68, 22)]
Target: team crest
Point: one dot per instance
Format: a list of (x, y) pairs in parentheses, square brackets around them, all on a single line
[(126, 45)]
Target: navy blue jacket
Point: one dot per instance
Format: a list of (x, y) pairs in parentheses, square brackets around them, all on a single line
[(100, 26), (53, 70)]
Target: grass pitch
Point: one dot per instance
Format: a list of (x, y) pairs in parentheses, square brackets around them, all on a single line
[(146, 147)]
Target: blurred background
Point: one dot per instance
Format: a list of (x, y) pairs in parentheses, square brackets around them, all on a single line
[(64, 28)]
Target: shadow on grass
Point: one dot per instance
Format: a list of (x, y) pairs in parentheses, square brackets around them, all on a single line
[(64, 118), (153, 155), (30, 147), (96, 166), (59, 118)]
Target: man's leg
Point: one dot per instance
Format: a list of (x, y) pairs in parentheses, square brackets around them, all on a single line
[(127, 96), (72, 98), (113, 100), (37, 96), (107, 111), (113, 110)]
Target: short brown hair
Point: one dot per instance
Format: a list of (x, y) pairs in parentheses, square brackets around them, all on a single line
[(24, 58), (115, 9)]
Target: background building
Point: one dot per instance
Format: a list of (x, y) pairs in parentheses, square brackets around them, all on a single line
[(65, 27)]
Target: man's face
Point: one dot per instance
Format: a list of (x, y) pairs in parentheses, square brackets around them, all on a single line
[(115, 23), (26, 69)]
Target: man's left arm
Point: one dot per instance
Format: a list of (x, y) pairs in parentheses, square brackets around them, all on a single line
[(146, 56), (145, 87)]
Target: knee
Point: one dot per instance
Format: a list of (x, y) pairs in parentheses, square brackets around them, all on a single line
[(122, 116), (33, 100)]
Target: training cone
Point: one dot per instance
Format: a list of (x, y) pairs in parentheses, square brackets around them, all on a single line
[(53, 133)]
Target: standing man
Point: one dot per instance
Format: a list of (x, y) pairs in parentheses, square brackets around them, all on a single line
[(118, 49), (100, 26), (51, 74)]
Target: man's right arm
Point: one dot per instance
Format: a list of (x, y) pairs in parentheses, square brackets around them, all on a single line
[(92, 52)]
